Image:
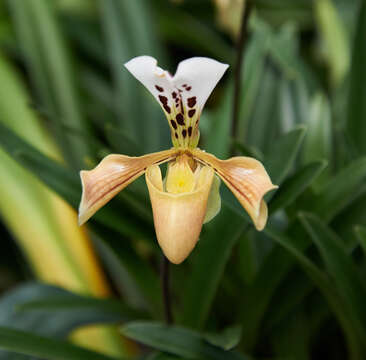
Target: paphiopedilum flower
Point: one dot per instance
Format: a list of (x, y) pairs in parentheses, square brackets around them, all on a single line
[(180, 201)]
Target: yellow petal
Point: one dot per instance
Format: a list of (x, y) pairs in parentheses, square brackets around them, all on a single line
[(246, 178), (180, 178), (111, 176), (178, 218)]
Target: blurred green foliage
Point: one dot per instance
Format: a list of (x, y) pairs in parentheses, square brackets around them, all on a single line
[(295, 291)]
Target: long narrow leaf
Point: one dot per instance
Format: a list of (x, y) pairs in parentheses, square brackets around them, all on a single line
[(341, 268), (283, 154), (212, 254), (355, 335), (296, 184), (22, 342), (178, 341), (53, 68), (356, 99), (340, 190)]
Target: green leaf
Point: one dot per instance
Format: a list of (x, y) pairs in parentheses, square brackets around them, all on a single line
[(176, 340), (29, 45), (161, 356), (317, 143), (84, 33), (22, 342), (119, 52), (247, 256), (121, 142), (297, 287), (253, 70), (340, 190), (226, 339), (30, 306), (38, 321), (52, 173), (296, 185), (66, 183), (340, 266), (283, 49), (246, 150), (262, 129), (186, 31), (99, 90), (51, 71), (14, 311), (293, 340), (104, 310), (211, 254), (109, 224), (283, 153), (285, 11), (356, 125), (361, 235), (217, 140), (287, 118), (335, 37), (130, 31), (353, 331), (272, 272), (344, 223), (138, 268)]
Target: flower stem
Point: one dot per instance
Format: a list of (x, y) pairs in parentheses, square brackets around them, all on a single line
[(166, 291), (242, 37)]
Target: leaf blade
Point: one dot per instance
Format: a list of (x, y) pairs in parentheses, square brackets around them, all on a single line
[(177, 340), (22, 342), (356, 126), (202, 285)]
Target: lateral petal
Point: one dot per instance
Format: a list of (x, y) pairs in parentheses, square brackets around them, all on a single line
[(178, 218), (246, 178), (111, 176)]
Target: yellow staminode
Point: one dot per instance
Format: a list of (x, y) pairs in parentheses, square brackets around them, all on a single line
[(180, 178)]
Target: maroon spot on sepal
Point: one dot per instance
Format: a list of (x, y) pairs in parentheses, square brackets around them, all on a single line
[(159, 88), (180, 119), (184, 133), (163, 99), (188, 88), (174, 94), (190, 131), (167, 108), (184, 85), (191, 112), (174, 124), (176, 135), (191, 101)]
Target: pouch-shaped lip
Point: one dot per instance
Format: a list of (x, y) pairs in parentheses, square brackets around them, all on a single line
[(178, 218)]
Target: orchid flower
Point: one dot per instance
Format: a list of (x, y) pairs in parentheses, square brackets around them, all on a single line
[(189, 194)]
